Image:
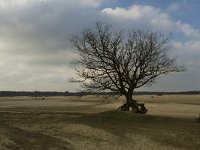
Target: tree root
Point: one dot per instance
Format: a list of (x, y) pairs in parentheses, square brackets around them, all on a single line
[(133, 106)]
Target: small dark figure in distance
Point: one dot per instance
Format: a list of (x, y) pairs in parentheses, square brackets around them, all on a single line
[(43, 98)]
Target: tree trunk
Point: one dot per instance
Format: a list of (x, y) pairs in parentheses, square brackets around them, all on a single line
[(132, 105)]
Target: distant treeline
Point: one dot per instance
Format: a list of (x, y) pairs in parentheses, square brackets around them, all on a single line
[(40, 93), (26, 93), (67, 93), (167, 93)]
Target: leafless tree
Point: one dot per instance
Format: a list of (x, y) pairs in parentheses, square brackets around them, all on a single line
[(111, 61)]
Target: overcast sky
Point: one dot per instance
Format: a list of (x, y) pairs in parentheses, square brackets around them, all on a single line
[(35, 52)]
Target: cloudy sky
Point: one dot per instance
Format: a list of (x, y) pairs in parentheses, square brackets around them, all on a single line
[(35, 52)]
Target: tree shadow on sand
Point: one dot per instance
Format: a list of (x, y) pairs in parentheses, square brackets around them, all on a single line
[(176, 132)]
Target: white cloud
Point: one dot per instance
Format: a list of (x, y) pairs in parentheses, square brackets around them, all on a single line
[(93, 3), (134, 12), (173, 7), (180, 6), (191, 47), (7, 3), (138, 13), (188, 54), (19, 3), (153, 17), (188, 30), (35, 52)]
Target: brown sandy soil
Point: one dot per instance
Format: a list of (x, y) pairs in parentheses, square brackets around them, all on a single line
[(167, 105), (92, 123)]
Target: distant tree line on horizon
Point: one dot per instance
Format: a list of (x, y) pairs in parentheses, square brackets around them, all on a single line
[(67, 93)]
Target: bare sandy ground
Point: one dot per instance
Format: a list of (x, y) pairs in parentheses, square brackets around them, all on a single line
[(166, 105), (39, 102), (89, 123)]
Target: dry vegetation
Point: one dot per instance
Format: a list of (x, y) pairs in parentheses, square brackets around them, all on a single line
[(89, 123)]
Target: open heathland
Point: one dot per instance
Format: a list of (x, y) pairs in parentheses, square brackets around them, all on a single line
[(93, 123)]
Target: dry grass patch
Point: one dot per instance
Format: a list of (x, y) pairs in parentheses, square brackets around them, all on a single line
[(100, 126)]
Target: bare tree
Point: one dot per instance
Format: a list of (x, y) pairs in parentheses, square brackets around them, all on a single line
[(111, 61)]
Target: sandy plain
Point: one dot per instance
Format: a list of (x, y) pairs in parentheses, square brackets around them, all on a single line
[(93, 123)]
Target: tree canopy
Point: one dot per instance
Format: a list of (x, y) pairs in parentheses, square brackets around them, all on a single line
[(118, 62)]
